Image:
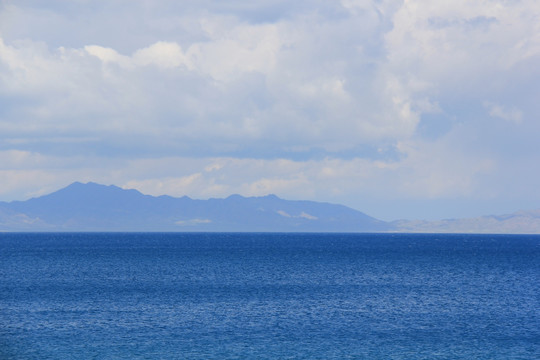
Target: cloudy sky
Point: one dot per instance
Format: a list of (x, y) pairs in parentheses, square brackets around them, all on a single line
[(401, 109)]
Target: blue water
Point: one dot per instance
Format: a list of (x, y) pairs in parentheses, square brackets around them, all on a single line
[(269, 296)]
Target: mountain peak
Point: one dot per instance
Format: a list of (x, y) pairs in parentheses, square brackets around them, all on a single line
[(235, 197), (92, 186)]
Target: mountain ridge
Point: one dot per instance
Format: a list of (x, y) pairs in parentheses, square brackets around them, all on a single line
[(519, 222), (96, 207)]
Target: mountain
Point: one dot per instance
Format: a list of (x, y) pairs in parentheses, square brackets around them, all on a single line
[(95, 207), (520, 222)]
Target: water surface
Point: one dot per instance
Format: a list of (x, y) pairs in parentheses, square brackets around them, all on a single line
[(269, 296)]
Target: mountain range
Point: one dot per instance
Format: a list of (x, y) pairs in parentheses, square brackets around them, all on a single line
[(95, 207), (519, 222)]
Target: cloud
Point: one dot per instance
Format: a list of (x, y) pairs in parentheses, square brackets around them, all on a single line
[(439, 172), (162, 186), (242, 83), (512, 115), (162, 54), (354, 101), (419, 175), (460, 53), (408, 188)]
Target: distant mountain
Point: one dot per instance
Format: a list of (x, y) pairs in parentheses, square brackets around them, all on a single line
[(520, 222), (95, 207)]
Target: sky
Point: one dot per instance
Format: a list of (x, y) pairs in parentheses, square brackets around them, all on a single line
[(400, 109)]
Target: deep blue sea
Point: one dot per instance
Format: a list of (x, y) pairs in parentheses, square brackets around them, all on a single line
[(269, 296)]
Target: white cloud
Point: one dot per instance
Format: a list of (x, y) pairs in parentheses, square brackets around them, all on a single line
[(108, 55), (241, 83), (163, 54), (227, 53), (233, 51), (463, 42), (495, 110)]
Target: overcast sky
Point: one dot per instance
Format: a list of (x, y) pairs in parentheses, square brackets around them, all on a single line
[(400, 109)]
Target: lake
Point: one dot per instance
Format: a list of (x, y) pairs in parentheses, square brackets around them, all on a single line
[(269, 296)]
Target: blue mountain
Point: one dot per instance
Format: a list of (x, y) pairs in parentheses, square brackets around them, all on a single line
[(95, 207)]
